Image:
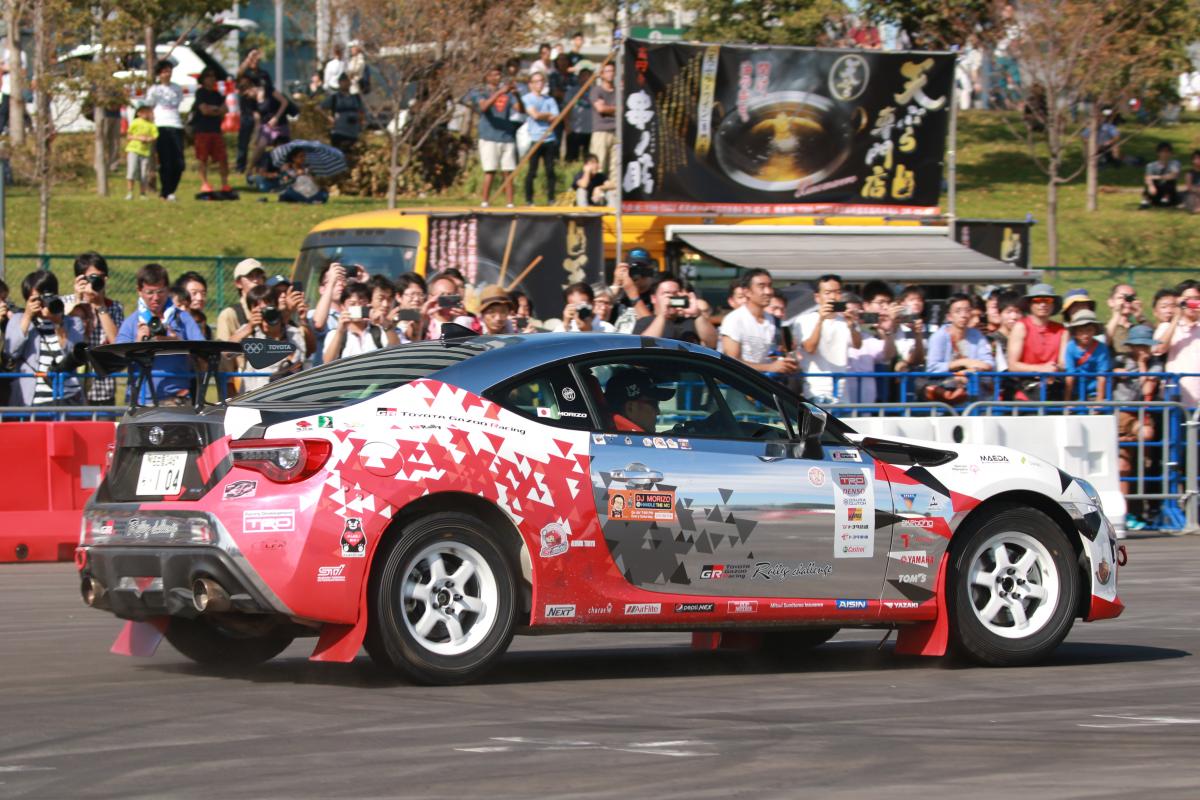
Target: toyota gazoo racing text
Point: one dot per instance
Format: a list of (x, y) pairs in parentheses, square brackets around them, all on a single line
[(429, 500)]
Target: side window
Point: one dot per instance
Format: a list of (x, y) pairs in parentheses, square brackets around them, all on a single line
[(550, 397), (681, 397)]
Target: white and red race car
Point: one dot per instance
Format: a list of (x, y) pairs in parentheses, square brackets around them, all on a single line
[(430, 500)]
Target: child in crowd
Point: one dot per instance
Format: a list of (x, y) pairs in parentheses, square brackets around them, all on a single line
[(1134, 424), (1084, 354), (141, 135)]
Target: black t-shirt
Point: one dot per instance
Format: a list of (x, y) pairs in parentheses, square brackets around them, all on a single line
[(203, 123), (259, 77), (597, 179), (679, 329)]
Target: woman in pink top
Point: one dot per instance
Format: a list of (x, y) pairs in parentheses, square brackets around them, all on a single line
[(1036, 342), (1180, 341)]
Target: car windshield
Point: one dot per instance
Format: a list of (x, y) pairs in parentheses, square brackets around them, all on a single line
[(351, 380)]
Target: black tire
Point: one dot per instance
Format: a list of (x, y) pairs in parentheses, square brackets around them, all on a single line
[(969, 635), (788, 644), (213, 646), (392, 641)]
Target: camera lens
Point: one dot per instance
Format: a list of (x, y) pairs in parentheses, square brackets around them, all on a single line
[(155, 325), (270, 315), (52, 303), (585, 311), (97, 282)]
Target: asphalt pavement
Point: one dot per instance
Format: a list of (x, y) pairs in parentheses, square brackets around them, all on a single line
[(1114, 714)]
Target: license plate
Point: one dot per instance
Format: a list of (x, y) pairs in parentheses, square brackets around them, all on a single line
[(161, 473)]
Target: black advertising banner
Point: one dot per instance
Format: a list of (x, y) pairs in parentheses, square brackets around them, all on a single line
[(1004, 240), (571, 247), (778, 130)]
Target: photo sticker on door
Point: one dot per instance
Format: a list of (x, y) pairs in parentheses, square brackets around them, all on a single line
[(633, 505)]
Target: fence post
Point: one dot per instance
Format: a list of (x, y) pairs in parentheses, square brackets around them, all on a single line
[(1191, 462), (220, 279)]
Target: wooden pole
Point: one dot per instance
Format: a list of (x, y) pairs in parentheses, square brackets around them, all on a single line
[(512, 231), (561, 114), (524, 272)]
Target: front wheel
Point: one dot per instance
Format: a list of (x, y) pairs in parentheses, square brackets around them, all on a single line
[(209, 644), (442, 604), (1012, 587)]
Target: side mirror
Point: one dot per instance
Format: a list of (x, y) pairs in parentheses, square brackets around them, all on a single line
[(812, 426)]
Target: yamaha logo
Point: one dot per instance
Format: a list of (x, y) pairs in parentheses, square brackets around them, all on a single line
[(156, 435)]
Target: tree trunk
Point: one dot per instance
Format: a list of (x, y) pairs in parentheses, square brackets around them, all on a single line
[(16, 77), (393, 169), (151, 54), (100, 145), (45, 125), (1093, 159), (1052, 214)]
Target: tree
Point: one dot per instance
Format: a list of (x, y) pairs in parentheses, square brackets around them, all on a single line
[(936, 24), (1069, 53), (424, 63), (796, 22), (14, 12)]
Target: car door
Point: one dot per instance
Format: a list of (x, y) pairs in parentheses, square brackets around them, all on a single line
[(719, 499)]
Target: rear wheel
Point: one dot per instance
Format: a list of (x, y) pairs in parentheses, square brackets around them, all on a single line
[(209, 644), (442, 603), (786, 644), (1012, 587)]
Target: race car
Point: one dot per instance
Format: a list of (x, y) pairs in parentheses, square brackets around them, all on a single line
[(430, 500)]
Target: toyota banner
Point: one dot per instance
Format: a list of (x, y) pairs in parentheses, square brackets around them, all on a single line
[(779, 130)]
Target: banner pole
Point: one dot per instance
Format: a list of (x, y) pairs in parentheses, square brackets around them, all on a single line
[(622, 21), (952, 154)]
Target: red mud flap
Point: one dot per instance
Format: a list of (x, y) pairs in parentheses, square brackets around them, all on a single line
[(341, 643), (1104, 609), (928, 638), (140, 638)]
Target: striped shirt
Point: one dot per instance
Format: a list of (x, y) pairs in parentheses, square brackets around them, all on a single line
[(99, 390)]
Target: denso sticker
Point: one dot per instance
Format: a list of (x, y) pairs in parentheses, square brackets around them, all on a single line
[(269, 521), (560, 612), (635, 505), (239, 490), (918, 558), (741, 607), (354, 540), (694, 608), (331, 574), (554, 541), (642, 609)]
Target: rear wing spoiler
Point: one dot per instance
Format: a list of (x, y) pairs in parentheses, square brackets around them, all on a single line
[(205, 356)]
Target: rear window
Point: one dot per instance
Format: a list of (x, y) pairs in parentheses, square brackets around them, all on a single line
[(352, 380)]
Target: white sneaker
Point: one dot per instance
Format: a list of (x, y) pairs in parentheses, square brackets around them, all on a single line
[(171, 198), (129, 196), (510, 205), (484, 204)]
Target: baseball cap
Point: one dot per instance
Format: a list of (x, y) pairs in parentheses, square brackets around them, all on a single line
[(246, 266), (583, 64), (630, 384), (275, 280), (1141, 334), (638, 256)]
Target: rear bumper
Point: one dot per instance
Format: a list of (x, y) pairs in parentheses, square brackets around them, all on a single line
[(144, 582)]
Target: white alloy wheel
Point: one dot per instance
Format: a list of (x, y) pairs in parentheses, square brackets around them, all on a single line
[(1014, 584), (450, 600)]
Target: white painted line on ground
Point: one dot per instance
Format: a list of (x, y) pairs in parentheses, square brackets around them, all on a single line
[(23, 768), (1137, 722)]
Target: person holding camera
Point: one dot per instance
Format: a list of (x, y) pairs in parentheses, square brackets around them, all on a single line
[(445, 304), (43, 342), (1179, 341), (676, 315), (101, 317), (826, 335), (1125, 311), (355, 333), (579, 312), (269, 307), (157, 319), (631, 287)]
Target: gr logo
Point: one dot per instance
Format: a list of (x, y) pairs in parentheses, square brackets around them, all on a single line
[(712, 572)]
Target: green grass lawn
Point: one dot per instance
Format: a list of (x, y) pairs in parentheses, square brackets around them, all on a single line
[(996, 179)]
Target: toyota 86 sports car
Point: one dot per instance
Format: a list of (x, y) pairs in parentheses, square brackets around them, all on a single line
[(430, 500)]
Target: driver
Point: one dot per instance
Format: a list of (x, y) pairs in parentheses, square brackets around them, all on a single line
[(633, 398)]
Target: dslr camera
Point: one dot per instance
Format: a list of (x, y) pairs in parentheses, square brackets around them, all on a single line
[(52, 304), (584, 310), (271, 315), (97, 282)]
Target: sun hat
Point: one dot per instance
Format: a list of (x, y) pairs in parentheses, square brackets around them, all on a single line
[(1077, 299), (1042, 290), (494, 295), (1084, 316)]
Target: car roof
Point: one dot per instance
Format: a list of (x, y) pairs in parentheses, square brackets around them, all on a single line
[(512, 355)]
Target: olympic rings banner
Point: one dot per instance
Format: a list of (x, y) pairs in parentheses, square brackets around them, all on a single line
[(778, 130)]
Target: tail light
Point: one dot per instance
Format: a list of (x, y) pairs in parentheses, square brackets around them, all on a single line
[(282, 460)]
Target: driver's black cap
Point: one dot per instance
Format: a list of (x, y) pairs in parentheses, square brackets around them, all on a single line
[(630, 384)]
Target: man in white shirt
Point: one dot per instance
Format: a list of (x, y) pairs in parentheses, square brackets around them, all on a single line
[(748, 332), (826, 335), (334, 68), (355, 333)]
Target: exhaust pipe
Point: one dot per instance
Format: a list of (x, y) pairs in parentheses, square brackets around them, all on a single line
[(93, 592), (209, 597)]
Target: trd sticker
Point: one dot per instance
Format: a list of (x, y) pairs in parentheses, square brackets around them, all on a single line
[(354, 540), (331, 574), (634, 505), (694, 608), (741, 607), (269, 521), (641, 609), (239, 489), (554, 541), (560, 612)]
